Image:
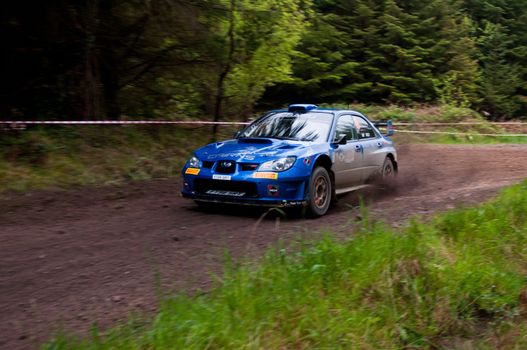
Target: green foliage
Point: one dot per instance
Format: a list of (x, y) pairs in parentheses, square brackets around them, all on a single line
[(450, 92), (459, 276), (68, 156), (502, 44), (501, 79), (386, 51), (220, 59), (265, 37), (416, 113)]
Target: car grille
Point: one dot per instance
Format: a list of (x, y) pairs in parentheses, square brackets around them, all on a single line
[(201, 186), (225, 167)]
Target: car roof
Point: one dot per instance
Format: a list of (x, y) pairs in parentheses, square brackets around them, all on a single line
[(335, 110)]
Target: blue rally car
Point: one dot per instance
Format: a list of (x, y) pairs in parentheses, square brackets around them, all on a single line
[(300, 156)]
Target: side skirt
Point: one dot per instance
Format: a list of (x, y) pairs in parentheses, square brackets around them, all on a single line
[(350, 189)]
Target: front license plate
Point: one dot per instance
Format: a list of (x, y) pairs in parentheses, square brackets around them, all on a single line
[(226, 193), (221, 177)]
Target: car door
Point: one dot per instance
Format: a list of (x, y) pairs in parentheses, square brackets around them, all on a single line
[(373, 147), (348, 158)]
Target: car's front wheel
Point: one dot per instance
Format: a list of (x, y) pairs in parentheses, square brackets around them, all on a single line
[(320, 192)]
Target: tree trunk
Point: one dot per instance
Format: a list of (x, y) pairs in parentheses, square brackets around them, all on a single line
[(109, 79), (109, 66), (91, 85), (220, 92)]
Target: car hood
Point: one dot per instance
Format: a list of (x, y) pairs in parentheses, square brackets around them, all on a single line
[(253, 149)]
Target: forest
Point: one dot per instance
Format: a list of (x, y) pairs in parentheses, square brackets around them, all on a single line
[(227, 59)]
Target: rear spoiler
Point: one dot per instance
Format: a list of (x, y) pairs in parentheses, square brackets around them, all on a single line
[(388, 125)]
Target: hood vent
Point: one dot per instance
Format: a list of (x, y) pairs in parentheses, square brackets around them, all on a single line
[(288, 146)]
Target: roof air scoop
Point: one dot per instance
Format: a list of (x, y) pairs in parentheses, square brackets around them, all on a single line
[(301, 108)]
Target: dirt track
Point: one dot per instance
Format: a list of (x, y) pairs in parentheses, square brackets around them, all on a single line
[(92, 255)]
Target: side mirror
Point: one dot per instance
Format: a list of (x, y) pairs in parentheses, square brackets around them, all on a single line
[(342, 139)]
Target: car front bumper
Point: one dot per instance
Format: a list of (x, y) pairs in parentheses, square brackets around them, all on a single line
[(287, 189)]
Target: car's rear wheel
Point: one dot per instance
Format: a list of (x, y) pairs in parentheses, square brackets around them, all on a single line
[(320, 192), (388, 170), (387, 176)]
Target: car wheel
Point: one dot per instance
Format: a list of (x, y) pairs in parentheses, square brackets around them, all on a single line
[(387, 176), (388, 170), (320, 192)]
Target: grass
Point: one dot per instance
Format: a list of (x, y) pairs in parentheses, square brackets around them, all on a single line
[(456, 281), (62, 156)]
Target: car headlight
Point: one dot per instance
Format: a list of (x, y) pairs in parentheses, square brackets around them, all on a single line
[(193, 162), (281, 164)]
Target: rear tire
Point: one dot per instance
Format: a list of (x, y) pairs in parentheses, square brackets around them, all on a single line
[(320, 192), (388, 170), (387, 175)]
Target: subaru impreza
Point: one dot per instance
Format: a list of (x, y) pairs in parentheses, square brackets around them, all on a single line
[(299, 156)]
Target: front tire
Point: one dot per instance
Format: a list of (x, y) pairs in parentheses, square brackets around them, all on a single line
[(320, 192)]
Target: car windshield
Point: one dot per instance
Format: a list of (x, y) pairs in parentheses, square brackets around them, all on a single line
[(313, 127)]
